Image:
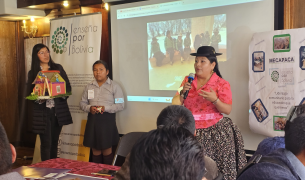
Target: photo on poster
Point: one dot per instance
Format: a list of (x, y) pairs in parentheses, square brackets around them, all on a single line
[(302, 57), (279, 123), (258, 61), (169, 44), (281, 43), (302, 102), (259, 110)]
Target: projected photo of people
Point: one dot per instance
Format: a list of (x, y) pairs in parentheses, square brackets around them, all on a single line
[(258, 61), (171, 42), (279, 123), (281, 43), (302, 57), (259, 110)]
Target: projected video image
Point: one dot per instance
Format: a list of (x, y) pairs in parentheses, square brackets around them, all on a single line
[(171, 42)]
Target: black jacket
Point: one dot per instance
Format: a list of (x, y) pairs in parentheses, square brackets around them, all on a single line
[(40, 111)]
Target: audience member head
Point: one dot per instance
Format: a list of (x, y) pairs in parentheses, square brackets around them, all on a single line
[(7, 152), (295, 135), (177, 116), (168, 33), (268, 145), (188, 35), (167, 153)]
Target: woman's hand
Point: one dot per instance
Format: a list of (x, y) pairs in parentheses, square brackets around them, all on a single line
[(187, 86), (93, 110), (100, 109), (210, 96), (41, 101)]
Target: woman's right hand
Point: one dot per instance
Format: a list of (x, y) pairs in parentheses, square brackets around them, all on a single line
[(187, 86), (93, 110)]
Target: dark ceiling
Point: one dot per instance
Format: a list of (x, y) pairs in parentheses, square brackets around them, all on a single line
[(55, 8)]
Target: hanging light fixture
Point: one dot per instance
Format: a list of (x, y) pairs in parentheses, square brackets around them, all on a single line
[(106, 6), (66, 4), (31, 30)]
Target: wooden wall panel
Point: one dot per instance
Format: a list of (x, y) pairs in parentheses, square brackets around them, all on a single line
[(9, 80), (294, 16), (288, 15), (299, 15)]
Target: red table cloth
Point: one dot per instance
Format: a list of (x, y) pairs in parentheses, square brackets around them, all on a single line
[(77, 167)]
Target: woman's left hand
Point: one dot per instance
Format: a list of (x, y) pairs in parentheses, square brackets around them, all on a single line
[(210, 96)]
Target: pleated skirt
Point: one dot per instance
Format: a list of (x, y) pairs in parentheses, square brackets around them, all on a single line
[(101, 131)]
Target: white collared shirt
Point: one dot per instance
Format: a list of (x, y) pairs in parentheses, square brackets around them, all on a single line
[(109, 95), (296, 164)]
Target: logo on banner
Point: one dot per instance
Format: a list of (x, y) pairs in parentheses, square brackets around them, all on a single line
[(59, 40), (275, 76), (283, 76)]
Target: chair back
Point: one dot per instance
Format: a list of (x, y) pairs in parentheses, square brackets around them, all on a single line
[(126, 143)]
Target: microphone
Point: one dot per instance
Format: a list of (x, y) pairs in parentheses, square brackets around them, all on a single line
[(191, 78)]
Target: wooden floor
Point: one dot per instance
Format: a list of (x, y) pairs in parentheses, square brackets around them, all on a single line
[(21, 161)]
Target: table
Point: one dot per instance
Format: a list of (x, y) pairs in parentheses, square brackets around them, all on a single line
[(78, 167)]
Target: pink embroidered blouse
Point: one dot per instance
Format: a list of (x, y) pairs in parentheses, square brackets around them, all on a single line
[(205, 112)]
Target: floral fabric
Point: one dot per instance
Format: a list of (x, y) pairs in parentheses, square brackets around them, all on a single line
[(223, 143), (204, 111)]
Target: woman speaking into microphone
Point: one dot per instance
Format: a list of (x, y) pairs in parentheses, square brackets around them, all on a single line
[(208, 97)]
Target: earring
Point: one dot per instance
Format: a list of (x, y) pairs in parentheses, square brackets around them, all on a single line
[(212, 72)]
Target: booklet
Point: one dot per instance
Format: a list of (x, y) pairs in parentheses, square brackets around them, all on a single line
[(69, 176), (40, 173), (105, 172)]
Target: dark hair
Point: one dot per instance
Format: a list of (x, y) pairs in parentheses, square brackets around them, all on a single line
[(5, 152), (197, 37), (168, 32), (216, 69), (295, 135), (167, 153), (178, 116), (101, 62), (35, 67)]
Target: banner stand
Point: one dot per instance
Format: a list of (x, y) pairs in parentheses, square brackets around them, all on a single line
[(276, 78)]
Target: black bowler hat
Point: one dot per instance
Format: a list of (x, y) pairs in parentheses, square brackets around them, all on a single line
[(206, 51)]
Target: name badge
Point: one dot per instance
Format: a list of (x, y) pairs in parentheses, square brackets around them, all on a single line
[(118, 100), (200, 117), (91, 94)]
